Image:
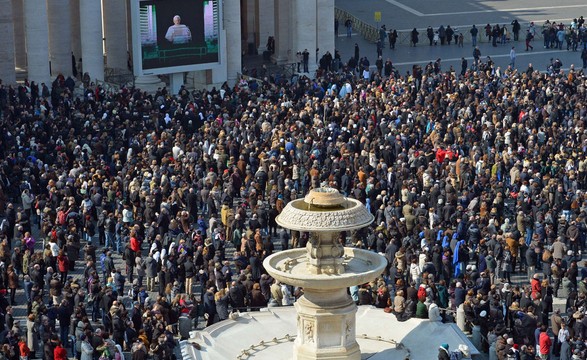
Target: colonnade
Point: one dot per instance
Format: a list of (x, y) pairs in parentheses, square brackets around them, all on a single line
[(43, 37)]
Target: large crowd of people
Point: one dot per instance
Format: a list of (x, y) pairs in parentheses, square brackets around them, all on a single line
[(473, 179)]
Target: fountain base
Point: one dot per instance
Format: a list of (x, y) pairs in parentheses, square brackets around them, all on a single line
[(326, 326)]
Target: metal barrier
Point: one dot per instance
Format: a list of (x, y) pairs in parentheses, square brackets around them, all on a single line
[(274, 72), (368, 31), (371, 33), (109, 88), (118, 77)]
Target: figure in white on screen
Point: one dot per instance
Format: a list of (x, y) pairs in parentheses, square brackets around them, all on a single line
[(178, 33)]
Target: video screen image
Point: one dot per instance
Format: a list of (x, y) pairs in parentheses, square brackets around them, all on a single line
[(178, 32)]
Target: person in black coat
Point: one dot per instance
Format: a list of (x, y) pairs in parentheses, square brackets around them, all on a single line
[(460, 293), (222, 299), (163, 280), (237, 295), (209, 306), (192, 202), (255, 263), (118, 328), (272, 221), (284, 239), (443, 353)]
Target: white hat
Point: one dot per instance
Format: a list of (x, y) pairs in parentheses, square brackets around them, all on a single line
[(483, 314), (464, 349)]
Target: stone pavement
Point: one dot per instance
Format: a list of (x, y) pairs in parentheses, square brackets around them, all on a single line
[(407, 14)]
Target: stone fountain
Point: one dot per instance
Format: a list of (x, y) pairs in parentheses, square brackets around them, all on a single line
[(325, 269)]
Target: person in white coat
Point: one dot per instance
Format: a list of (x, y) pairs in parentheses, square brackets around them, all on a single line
[(434, 313), (87, 349), (287, 299)]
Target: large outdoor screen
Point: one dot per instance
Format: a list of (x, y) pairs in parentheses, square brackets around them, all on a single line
[(175, 35)]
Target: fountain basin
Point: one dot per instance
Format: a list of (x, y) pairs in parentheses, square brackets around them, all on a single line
[(344, 215), (290, 267)]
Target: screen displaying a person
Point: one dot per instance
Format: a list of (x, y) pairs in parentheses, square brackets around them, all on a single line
[(178, 33)]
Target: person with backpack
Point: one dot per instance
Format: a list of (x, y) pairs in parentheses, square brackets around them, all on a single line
[(62, 217), (529, 38), (443, 353), (110, 230), (151, 271), (120, 233), (103, 265), (63, 265), (109, 267), (129, 259), (476, 57)]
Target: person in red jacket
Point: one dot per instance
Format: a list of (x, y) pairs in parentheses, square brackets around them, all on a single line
[(544, 342), (63, 265), (59, 353), (23, 348), (440, 154), (135, 245), (536, 285)]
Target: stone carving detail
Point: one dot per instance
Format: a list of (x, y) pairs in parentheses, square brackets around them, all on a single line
[(356, 215), (348, 329), (309, 331)]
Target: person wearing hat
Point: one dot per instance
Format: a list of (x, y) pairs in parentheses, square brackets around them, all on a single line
[(464, 350), (443, 353), (514, 352)]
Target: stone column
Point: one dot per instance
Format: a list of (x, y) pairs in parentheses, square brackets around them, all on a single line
[(197, 79), (19, 35), (76, 40), (283, 41), (251, 23), (232, 26), (129, 26), (59, 14), (115, 33), (37, 51), (217, 75), (266, 22), (7, 72), (325, 31), (149, 83), (305, 29), (91, 38)]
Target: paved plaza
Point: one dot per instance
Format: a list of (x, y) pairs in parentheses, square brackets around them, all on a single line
[(404, 15)]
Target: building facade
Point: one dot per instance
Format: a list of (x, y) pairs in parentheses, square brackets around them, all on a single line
[(44, 38)]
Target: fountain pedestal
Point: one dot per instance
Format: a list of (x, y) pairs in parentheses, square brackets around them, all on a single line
[(325, 269), (326, 326)]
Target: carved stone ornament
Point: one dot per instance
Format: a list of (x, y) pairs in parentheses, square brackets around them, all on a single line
[(309, 331), (342, 214)]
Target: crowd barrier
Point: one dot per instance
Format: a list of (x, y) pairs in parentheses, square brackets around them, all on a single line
[(371, 32)]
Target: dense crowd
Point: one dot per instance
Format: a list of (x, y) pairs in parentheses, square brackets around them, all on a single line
[(472, 178)]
